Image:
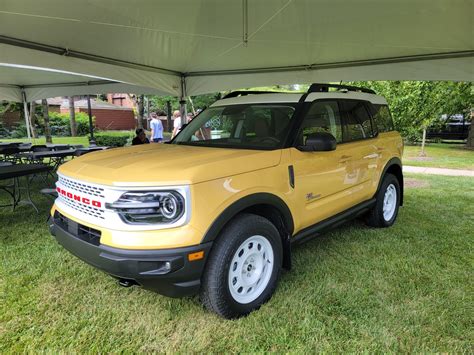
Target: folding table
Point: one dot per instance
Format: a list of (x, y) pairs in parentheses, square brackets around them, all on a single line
[(15, 172)]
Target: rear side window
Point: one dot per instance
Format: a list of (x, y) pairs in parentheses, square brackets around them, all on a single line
[(382, 118), (358, 124)]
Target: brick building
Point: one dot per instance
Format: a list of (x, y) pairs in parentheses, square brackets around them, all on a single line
[(107, 115)]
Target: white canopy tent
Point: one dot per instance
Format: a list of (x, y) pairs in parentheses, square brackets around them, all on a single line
[(197, 46), (189, 47)]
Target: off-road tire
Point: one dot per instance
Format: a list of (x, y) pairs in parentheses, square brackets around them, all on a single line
[(215, 291), (375, 217)]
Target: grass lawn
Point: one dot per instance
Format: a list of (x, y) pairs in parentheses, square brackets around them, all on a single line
[(72, 140), (403, 289), (440, 155)]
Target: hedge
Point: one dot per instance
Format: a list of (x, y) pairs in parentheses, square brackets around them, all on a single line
[(61, 126), (115, 139)]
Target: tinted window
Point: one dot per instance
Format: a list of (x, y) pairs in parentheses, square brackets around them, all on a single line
[(247, 126), (382, 118), (358, 123), (323, 116)]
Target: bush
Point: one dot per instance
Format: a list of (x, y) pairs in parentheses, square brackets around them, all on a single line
[(61, 126), (113, 139), (19, 132), (4, 133)]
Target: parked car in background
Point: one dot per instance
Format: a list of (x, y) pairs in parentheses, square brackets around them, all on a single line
[(455, 127)]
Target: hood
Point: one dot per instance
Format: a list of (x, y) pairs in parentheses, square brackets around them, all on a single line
[(166, 164)]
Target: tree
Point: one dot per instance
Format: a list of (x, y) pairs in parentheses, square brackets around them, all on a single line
[(72, 116), (141, 110), (47, 128), (138, 102), (418, 104)]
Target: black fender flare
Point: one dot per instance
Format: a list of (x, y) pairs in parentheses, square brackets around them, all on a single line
[(244, 203), (392, 162)]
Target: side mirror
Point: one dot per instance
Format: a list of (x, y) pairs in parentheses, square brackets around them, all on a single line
[(319, 142)]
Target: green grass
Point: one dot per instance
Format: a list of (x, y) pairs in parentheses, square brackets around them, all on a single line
[(403, 289), (57, 140), (440, 155)]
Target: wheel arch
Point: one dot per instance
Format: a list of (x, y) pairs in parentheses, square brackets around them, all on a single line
[(266, 205), (394, 167)]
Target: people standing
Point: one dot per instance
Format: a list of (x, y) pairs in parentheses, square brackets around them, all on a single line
[(176, 123), (156, 129)]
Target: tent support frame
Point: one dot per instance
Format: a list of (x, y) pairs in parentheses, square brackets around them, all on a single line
[(182, 100), (27, 114), (315, 66)]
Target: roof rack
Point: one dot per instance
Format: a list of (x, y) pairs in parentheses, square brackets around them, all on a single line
[(245, 93), (318, 87)]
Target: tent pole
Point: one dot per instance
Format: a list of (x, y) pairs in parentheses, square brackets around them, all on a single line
[(27, 115), (91, 126), (182, 101)]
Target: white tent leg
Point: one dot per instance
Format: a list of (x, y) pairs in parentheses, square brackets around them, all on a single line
[(182, 101), (27, 115)]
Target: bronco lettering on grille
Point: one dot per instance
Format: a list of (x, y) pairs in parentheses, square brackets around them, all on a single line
[(81, 199)]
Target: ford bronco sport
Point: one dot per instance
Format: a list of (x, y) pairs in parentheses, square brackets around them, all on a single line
[(217, 210)]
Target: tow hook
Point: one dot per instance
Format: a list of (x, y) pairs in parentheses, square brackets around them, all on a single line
[(126, 283)]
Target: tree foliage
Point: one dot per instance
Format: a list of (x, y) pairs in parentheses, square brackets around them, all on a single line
[(418, 104)]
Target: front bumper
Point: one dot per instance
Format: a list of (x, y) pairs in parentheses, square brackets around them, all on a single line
[(166, 271)]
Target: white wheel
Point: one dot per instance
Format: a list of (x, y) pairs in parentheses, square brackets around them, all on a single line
[(389, 202), (243, 267), (251, 269)]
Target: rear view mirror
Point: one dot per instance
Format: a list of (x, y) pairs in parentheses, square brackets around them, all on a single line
[(319, 142)]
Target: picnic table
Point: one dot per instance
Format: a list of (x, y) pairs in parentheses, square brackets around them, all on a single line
[(57, 156), (14, 172)]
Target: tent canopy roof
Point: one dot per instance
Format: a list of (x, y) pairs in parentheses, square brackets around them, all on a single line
[(214, 44)]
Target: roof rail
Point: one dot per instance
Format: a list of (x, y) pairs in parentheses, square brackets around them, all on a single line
[(245, 93), (318, 87)]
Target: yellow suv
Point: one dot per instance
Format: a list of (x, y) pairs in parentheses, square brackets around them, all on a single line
[(217, 210)]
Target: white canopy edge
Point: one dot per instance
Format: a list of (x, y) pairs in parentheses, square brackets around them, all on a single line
[(121, 77), (14, 93), (453, 69), (127, 79)]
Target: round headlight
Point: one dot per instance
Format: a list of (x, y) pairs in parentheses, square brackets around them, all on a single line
[(169, 207)]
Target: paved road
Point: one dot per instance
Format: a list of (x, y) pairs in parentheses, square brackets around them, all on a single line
[(437, 171)]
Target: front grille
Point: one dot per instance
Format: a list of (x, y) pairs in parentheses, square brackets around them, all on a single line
[(89, 210), (81, 187), (85, 233)]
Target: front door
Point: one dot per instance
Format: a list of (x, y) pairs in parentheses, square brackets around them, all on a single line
[(321, 178)]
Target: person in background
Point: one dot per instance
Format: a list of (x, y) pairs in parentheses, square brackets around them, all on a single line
[(140, 137), (176, 123), (156, 129), (189, 117)]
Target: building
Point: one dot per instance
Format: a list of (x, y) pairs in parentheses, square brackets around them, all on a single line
[(107, 116), (120, 100)]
